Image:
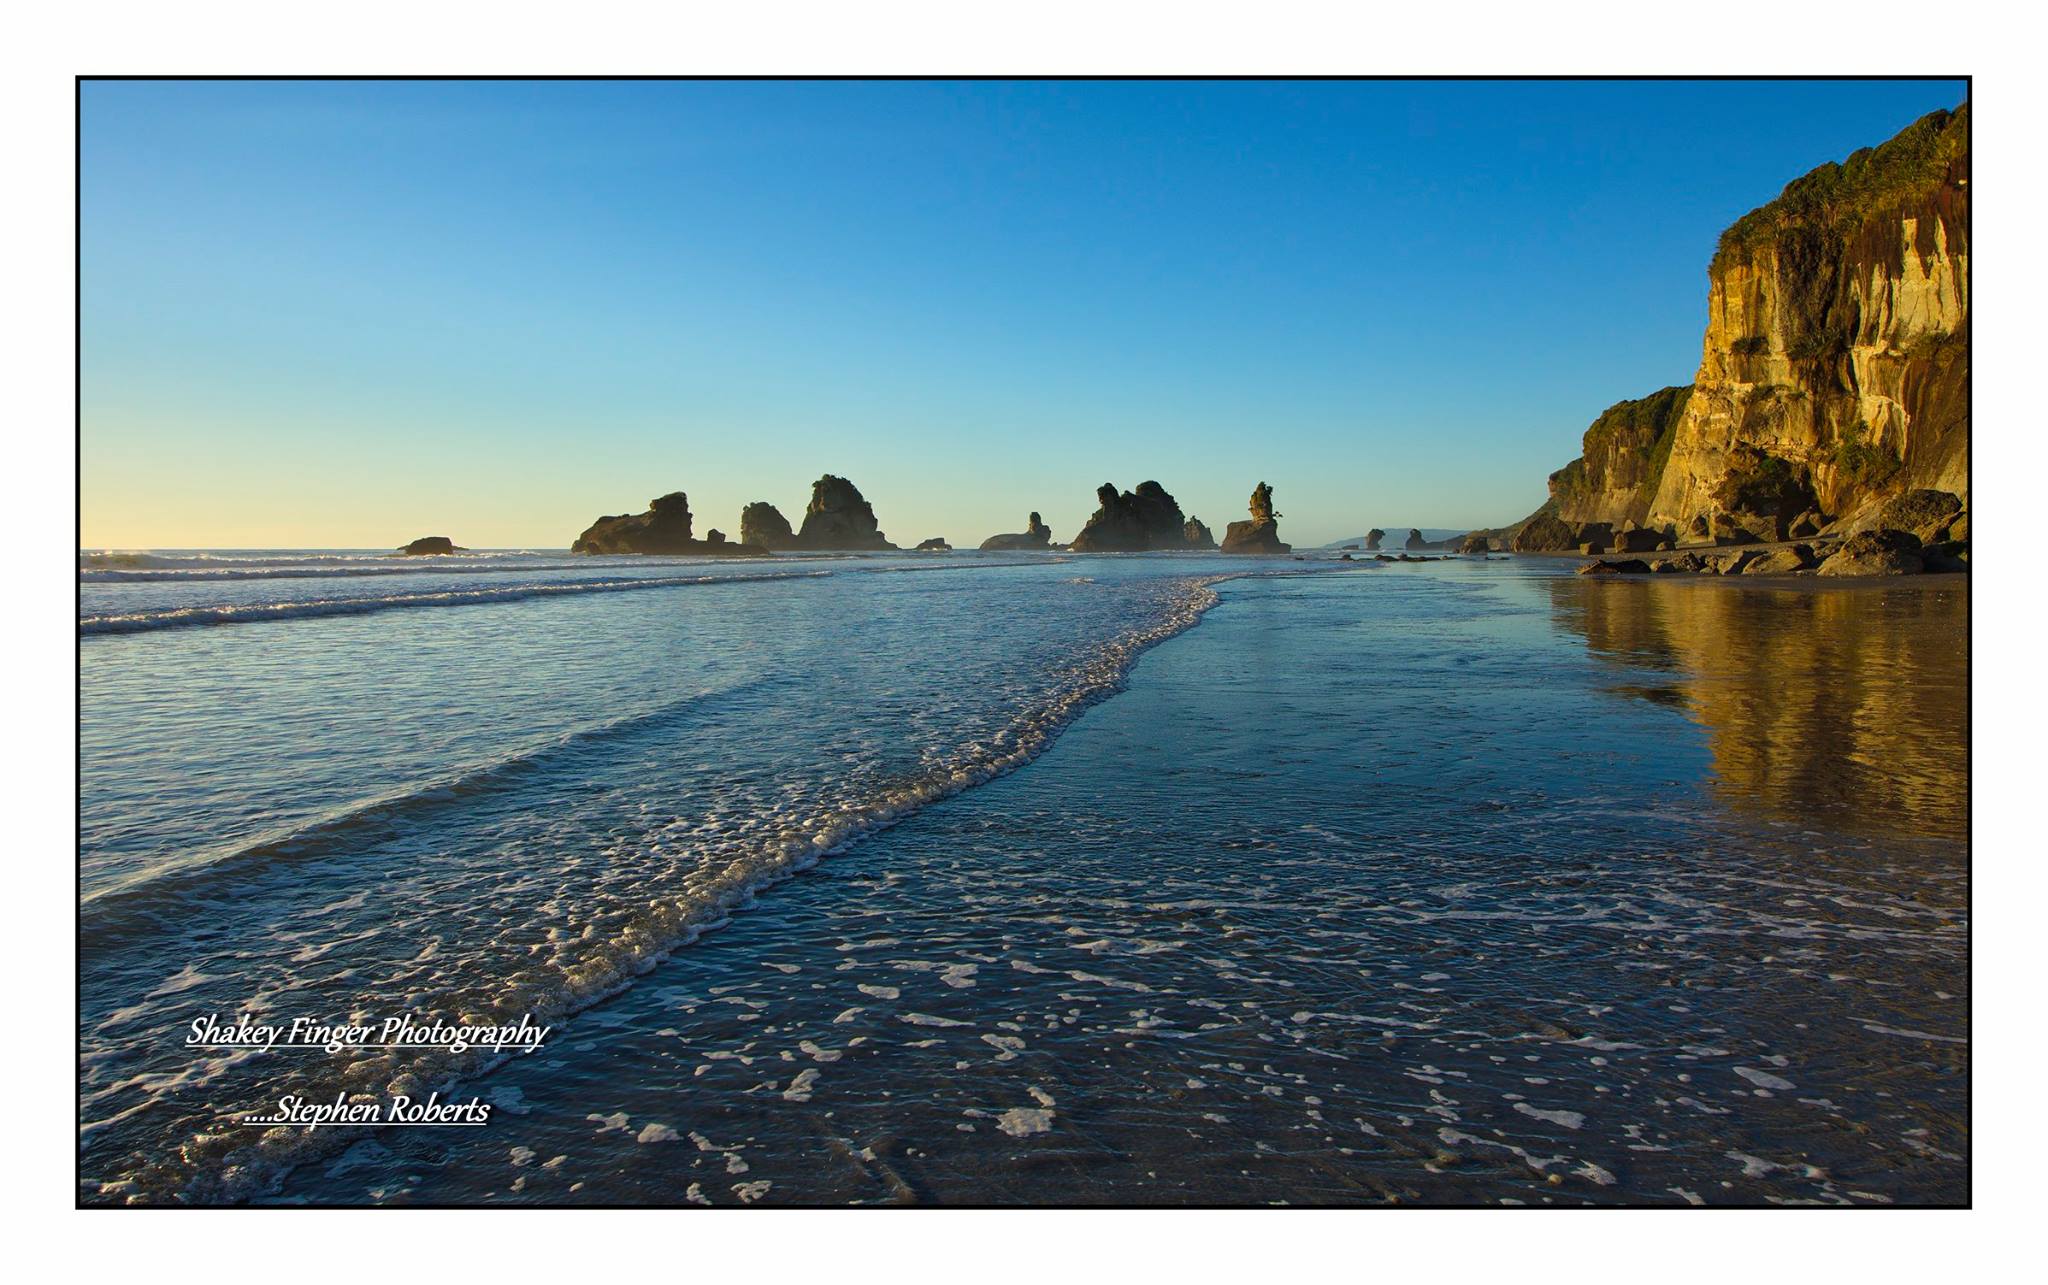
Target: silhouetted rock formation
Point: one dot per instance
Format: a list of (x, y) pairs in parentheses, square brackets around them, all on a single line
[(1373, 538), (1475, 543), (1133, 522), (1037, 536), (1415, 540), (763, 524), (839, 518), (1197, 535), (428, 545), (664, 528), (1260, 535), (937, 544)]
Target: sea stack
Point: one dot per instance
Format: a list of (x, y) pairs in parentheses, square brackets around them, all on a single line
[(664, 528), (1133, 522), (1415, 540), (839, 517), (1198, 535), (762, 523), (1036, 535), (431, 545), (1373, 538), (1261, 534)]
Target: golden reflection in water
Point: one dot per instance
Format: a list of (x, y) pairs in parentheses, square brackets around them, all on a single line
[(1848, 705)]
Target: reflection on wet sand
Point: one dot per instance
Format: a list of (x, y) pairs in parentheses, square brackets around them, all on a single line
[(1846, 704)]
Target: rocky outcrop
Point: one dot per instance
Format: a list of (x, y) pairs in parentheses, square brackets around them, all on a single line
[(1415, 540), (431, 545), (1133, 522), (664, 528), (1875, 553), (839, 518), (1545, 533), (1927, 514), (762, 523), (937, 544), (1037, 536), (1834, 373), (1373, 538), (1261, 534), (1197, 535)]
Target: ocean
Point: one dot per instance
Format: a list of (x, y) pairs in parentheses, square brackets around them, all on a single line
[(1026, 879)]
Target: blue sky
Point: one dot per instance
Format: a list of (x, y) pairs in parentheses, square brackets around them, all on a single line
[(350, 313)]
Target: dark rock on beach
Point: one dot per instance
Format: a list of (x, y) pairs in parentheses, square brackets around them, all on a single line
[(1926, 514), (937, 544), (1037, 536), (1875, 553), (1780, 562), (1198, 535), (664, 528), (431, 545), (1627, 566), (1475, 543)]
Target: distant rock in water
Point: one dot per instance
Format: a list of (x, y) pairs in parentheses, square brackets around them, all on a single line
[(1037, 535), (428, 545), (839, 518), (1260, 535), (1198, 535), (762, 523), (1415, 540), (937, 544), (664, 528), (1475, 543), (1373, 538), (1134, 522)]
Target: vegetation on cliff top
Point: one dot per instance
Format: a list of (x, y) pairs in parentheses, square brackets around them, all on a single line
[(1906, 170)]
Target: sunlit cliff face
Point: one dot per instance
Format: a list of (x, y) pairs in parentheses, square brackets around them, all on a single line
[(1864, 720)]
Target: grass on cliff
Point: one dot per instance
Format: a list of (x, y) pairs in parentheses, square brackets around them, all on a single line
[(1838, 197)]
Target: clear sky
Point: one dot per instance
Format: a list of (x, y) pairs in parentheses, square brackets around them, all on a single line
[(347, 314)]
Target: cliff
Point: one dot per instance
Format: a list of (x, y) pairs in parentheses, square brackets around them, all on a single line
[(1834, 374)]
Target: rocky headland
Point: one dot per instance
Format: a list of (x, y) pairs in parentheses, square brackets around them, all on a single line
[(1833, 382), (1261, 533), (1037, 535), (664, 529)]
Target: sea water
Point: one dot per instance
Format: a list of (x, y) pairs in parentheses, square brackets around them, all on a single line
[(992, 879)]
